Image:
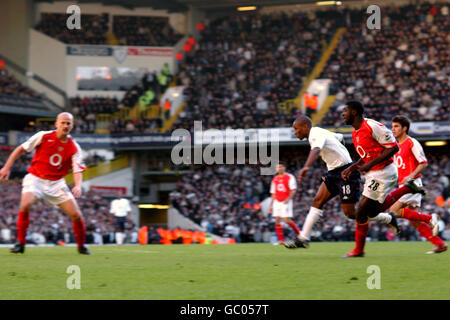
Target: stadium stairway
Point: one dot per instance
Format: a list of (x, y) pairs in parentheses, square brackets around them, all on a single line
[(318, 68), (318, 116), (103, 168), (111, 39), (169, 122)]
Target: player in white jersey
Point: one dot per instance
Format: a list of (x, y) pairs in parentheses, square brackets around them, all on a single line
[(329, 146), (120, 207)]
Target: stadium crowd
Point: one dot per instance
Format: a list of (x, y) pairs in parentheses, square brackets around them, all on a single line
[(226, 200), (93, 28), (128, 30), (243, 66), (144, 31), (10, 86), (405, 66)]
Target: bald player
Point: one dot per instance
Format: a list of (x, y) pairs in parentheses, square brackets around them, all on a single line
[(56, 152)]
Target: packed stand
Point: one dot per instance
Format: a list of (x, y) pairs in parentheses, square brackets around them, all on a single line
[(10, 86), (49, 225), (404, 67), (93, 28), (244, 65), (225, 200), (144, 31)]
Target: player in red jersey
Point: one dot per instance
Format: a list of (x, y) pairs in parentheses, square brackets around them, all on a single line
[(56, 153), (410, 162), (376, 146), (283, 189)]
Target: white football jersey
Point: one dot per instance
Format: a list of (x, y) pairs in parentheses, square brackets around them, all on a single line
[(332, 151)]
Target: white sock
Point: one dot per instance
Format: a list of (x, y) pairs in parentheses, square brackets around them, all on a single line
[(313, 215), (382, 217), (122, 238), (118, 237)]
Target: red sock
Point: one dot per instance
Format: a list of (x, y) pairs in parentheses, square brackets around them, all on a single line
[(426, 232), (79, 229), (360, 236), (294, 227), (415, 216), (23, 222), (393, 196), (279, 231)]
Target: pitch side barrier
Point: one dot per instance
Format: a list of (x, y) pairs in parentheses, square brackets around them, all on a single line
[(198, 137)]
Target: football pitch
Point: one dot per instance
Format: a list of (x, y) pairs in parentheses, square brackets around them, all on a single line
[(226, 272)]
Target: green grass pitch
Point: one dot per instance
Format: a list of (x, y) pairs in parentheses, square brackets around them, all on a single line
[(227, 272)]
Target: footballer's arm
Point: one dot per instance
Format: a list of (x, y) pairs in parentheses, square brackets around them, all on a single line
[(78, 179), (385, 155), (312, 157), (420, 167), (271, 202), (6, 170)]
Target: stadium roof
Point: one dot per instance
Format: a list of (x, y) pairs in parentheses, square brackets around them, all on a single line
[(184, 5)]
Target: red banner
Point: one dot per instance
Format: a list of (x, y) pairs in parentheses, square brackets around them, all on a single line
[(108, 191), (154, 51)]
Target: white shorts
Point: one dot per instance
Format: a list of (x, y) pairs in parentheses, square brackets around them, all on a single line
[(282, 210), (380, 182), (413, 199), (54, 192)]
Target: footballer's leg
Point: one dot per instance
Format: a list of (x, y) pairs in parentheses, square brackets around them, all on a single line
[(79, 229), (427, 232), (366, 208), (279, 229), (315, 212), (23, 221)]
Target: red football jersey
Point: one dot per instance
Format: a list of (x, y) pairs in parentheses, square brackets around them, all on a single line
[(53, 158), (409, 157), (371, 139), (282, 186)]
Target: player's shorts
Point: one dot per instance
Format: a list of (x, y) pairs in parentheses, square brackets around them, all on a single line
[(53, 192), (349, 190), (413, 199), (380, 182), (282, 210), (119, 222)]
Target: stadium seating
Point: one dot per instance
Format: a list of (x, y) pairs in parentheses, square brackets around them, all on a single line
[(93, 28), (128, 30), (401, 69), (243, 66), (10, 86), (144, 31)]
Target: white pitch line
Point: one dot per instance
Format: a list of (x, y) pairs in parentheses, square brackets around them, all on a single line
[(125, 250)]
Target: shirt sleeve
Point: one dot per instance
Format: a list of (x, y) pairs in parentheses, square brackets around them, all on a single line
[(113, 207), (316, 140), (77, 161), (33, 141), (382, 134), (272, 187), (292, 183), (417, 150)]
